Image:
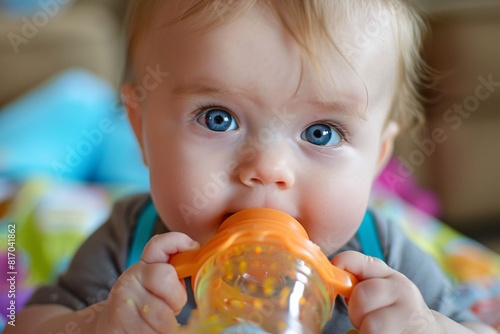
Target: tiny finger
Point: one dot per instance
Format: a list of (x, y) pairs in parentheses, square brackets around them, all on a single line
[(161, 246), (362, 266)]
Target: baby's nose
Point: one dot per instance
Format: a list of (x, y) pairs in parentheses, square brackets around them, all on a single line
[(271, 165)]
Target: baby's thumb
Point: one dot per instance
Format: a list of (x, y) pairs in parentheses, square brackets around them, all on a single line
[(362, 266), (162, 246)]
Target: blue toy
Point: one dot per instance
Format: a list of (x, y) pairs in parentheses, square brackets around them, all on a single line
[(70, 128)]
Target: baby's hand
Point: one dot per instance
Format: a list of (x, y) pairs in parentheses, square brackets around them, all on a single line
[(148, 295), (384, 300)]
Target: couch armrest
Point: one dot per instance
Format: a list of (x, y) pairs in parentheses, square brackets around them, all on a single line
[(41, 44)]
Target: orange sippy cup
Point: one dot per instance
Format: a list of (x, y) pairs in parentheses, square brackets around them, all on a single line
[(261, 274)]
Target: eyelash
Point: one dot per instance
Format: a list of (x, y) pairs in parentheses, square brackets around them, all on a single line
[(343, 132), (199, 110), (202, 108)]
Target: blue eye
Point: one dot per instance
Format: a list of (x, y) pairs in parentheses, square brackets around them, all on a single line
[(321, 135), (218, 120)]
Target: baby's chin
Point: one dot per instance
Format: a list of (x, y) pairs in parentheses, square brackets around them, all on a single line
[(329, 244)]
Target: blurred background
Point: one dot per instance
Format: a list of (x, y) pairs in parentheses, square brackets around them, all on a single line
[(462, 167), (67, 152), (42, 39), (61, 114)]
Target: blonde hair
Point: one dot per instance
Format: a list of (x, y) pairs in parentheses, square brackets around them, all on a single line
[(309, 22)]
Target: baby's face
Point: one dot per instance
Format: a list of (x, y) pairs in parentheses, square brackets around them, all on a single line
[(237, 123)]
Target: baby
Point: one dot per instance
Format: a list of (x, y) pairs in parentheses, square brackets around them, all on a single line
[(292, 105)]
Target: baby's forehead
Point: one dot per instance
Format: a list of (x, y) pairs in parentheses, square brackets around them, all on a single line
[(368, 15), (358, 48), (356, 32), (390, 29), (348, 26)]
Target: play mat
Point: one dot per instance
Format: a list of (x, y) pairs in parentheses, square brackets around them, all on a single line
[(51, 219)]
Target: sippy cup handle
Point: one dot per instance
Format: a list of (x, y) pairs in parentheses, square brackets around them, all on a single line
[(342, 280), (185, 263)]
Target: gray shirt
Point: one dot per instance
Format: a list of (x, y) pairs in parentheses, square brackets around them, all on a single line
[(102, 258)]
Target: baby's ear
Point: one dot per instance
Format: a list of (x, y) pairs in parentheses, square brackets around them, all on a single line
[(134, 112), (389, 134)]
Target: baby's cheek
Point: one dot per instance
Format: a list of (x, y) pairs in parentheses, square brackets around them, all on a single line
[(200, 227), (331, 239)]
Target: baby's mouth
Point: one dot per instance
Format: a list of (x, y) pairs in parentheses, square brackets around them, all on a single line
[(226, 216), (229, 214)]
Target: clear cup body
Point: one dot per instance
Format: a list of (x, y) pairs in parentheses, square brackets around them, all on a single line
[(260, 289)]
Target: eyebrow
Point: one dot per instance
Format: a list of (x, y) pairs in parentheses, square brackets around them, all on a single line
[(346, 108), (201, 89)]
